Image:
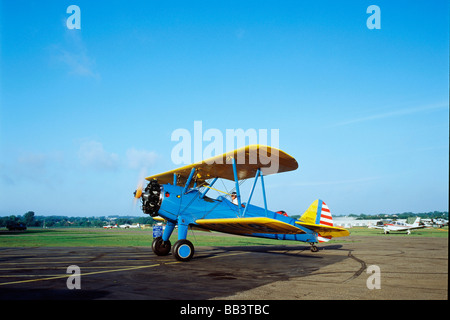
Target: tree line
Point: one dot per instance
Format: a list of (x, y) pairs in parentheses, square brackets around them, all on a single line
[(404, 215), (32, 220)]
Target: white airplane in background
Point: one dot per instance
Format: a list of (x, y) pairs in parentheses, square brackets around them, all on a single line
[(127, 226), (399, 226), (110, 226), (436, 223)]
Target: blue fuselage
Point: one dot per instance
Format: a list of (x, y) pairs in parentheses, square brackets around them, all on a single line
[(179, 208)]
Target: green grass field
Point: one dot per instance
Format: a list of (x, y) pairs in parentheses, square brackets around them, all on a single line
[(96, 237)]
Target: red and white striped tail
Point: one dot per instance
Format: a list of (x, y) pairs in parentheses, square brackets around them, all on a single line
[(317, 218), (325, 219), (318, 213), (325, 216), (323, 239)]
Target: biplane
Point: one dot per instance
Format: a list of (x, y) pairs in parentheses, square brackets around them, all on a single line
[(180, 197)]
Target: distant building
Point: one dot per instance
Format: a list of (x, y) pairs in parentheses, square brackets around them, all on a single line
[(350, 222)]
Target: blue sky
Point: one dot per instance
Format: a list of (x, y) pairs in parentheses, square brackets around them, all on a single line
[(85, 112)]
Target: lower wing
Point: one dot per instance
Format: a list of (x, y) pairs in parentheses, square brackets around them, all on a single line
[(249, 225)]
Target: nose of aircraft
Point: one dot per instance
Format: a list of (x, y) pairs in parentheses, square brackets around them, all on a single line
[(151, 197)]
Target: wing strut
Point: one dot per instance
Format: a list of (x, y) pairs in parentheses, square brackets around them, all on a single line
[(258, 172), (186, 186), (257, 175), (264, 193), (208, 187), (236, 181)]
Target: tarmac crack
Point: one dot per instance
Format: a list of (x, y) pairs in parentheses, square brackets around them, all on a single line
[(360, 270), (97, 257)]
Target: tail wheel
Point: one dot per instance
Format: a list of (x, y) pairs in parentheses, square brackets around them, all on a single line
[(183, 250), (161, 247), (314, 248)]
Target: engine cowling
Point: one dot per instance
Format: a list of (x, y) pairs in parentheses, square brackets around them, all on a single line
[(151, 198)]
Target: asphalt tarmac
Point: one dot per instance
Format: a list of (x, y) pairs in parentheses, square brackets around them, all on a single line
[(358, 268)]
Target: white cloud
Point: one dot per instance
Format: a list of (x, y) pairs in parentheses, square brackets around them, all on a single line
[(78, 63), (138, 159), (91, 154), (395, 113), (325, 183), (38, 167), (35, 161), (73, 54), (240, 33)]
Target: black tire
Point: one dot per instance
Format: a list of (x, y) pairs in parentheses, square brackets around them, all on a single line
[(183, 250), (160, 247), (314, 249)]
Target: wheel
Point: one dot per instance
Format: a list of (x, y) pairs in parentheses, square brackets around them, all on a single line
[(160, 247), (314, 248), (183, 250)]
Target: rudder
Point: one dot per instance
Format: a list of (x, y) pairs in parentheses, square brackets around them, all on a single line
[(318, 213)]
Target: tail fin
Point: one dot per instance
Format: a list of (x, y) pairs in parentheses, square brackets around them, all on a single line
[(318, 214), (416, 222)]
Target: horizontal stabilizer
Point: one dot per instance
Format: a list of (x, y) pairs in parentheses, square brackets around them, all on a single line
[(325, 231)]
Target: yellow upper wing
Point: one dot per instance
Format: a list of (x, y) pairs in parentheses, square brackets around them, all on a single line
[(248, 160), (249, 225)]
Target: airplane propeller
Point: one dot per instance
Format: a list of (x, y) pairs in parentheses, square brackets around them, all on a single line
[(138, 192), (151, 196)]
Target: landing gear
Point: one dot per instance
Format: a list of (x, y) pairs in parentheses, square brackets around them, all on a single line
[(183, 250), (314, 247), (161, 247)]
